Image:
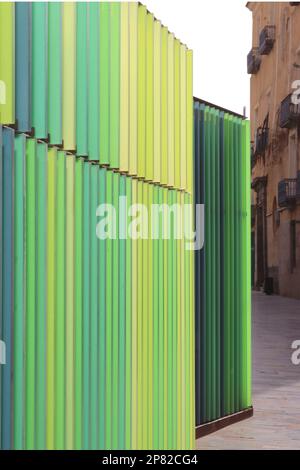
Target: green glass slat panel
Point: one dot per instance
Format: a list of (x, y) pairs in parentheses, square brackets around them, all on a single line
[(133, 87), (109, 325), (161, 369), (94, 288), (41, 306), (51, 294), (164, 106), (55, 73), (115, 317), (30, 343), (122, 314), (145, 328), (104, 92), (19, 298), (149, 171), (139, 329), (157, 101), (1, 274), (155, 313), (169, 326), (94, 83), (78, 336), (114, 80), (7, 63), (102, 318), (39, 69), (124, 87), (128, 326), (81, 79), (142, 12), (60, 402), (86, 307), (134, 304), (69, 75), (150, 319), (172, 96)]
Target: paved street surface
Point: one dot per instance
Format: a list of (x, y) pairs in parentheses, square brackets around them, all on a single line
[(276, 382)]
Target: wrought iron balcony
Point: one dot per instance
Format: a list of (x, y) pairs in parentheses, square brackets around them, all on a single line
[(287, 192), (253, 61), (266, 40), (298, 187), (289, 113)]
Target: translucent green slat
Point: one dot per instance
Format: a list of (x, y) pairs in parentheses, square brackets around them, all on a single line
[(94, 84), (54, 73), (102, 318), (94, 289), (108, 326), (81, 79), (128, 327), (122, 315), (7, 63), (86, 307), (114, 80), (141, 90), (104, 53), (115, 319), (41, 257), (30, 331), (19, 298), (39, 69), (78, 378), (60, 307)]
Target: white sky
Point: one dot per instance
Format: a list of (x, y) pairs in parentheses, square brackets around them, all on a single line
[(219, 32)]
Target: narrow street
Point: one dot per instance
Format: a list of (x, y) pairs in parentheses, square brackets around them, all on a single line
[(276, 382)]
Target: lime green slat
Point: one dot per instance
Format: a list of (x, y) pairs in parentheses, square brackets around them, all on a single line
[(173, 250), (102, 317), (166, 338), (104, 54), (175, 109), (145, 328), (134, 326), (30, 345), (55, 72), (7, 63), (114, 80), (213, 264), (122, 318), (169, 326), (86, 306), (189, 121), (41, 233), (94, 83), (94, 288), (60, 306), (78, 311), (69, 78), (155, 313), (188, 332), (157, 102), (142, 13), (19, 162), (183, 118), (124, 87), (109, 324), (128, 327), (70, 173), (149, 97), (140, 329), (133, 87), (161, 406), (115, 318), (164, 105), (81, 79), (39, 77), (173, 66), (51, 293), (181, 333), (150, 365)]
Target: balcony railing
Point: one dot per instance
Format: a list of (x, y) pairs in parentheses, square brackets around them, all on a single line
[(289, 113), (266, 40), (253, 61), (298, 187), (287, 192)]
